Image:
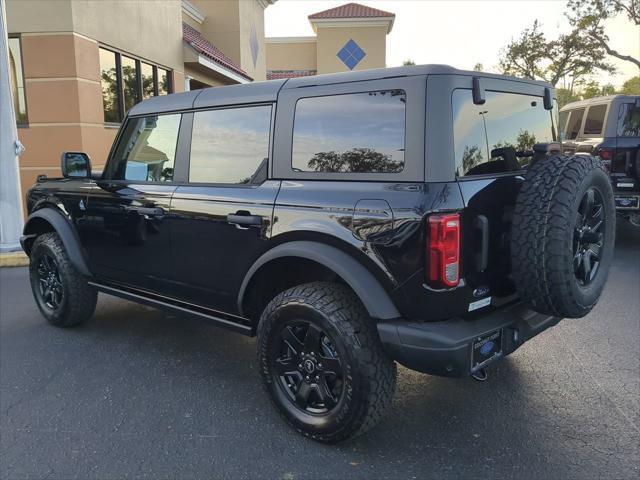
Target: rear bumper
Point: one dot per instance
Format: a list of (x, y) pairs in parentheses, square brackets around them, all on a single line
[(445, 348)]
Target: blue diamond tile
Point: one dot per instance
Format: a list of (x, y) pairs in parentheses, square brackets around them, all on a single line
[(351, 54)]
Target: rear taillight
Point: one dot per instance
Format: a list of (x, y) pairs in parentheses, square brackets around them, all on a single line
[(443, 250)]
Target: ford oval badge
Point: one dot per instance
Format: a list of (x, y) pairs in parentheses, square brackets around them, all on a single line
[(481, 291)]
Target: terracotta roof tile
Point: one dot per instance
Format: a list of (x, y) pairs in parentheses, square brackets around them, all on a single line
[(279, 74), (206, 48), (351, 10)]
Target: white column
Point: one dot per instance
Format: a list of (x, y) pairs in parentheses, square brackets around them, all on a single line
[(10, 195)]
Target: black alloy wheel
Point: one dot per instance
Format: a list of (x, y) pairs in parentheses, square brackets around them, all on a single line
[(307, 367), (50, 286), (588, 239)]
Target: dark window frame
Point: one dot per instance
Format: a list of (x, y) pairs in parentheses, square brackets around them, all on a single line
[(24, 82), (120, 84)]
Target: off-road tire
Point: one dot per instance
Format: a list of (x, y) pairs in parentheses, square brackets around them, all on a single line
[(544, 223), (370, 383), (78, 297)]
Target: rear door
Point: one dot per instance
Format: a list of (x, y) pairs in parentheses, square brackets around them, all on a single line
[(222, 218), (493, 145), (126, 223)]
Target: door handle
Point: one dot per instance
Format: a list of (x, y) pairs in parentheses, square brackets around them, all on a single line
[(482, 257), (148, 211), (244, 219)]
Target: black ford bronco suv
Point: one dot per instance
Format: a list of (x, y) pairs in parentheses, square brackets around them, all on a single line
[(609, 128), (421, 215)]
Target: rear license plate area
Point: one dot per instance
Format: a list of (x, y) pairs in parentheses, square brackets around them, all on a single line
[(627, 201), (485, 348)]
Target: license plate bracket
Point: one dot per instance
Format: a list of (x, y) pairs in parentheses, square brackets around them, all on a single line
[(486, 348)]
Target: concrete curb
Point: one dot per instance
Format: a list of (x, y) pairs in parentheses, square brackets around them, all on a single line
[(13, 259)]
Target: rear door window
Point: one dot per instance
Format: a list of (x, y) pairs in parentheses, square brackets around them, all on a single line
[(230, 145), (575, 122), (629, 120), (350, 133), (498, 136), (595, 120)]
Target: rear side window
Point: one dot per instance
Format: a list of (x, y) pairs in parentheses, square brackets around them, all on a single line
[(230, 145), (147, 149), (595, 120), (350, 133), (563, 123), (575, 121), (499, 135), (629, 120)]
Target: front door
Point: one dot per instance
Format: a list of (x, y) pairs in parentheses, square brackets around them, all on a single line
[(221, 220), (128, 209)]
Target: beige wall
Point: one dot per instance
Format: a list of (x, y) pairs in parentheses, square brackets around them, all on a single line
[(205, 76), (252, 16), (331, 39), (39, 16), (293, 55)]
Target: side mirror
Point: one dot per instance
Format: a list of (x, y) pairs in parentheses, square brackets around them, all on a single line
[(75, 165)]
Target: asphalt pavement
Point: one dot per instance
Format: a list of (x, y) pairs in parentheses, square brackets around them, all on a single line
[(138, 393)]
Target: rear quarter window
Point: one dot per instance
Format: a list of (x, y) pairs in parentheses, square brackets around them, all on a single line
[(595, 119), (350, 133), (575, 122), (498, 136), (629, 120)]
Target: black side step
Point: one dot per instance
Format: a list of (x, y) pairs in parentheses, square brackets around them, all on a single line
[(236, 324)]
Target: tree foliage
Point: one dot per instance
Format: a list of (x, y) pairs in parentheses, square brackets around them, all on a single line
[(573, 55), (408, 61), (589, 17), (357, 160), (631, 86)]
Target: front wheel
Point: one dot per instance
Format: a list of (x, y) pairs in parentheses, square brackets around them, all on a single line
[(322, 362), (62, 294)]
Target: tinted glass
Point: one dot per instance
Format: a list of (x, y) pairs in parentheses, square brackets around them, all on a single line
[(163, 82), (17, 81), (353, 133), (499, 135), (629, 121), (595, 120), (109, 83), (575, 121), (130, 82), (146, 152), (147, 80), (230, 145)]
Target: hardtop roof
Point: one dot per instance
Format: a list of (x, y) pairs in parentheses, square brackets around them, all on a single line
[(598, 100), (267, 91)]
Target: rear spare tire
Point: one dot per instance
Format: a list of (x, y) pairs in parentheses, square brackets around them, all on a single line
[(563, 235)]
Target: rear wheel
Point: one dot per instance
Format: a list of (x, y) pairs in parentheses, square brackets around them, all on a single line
[(322, 362), (62, 294)]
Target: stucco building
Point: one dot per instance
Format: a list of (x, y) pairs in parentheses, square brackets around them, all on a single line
[(348, 37), (77, 66)]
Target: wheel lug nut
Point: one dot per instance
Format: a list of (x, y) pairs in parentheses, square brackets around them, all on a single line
[(317, 377), (307, 377), (313, 354), (299, 365)]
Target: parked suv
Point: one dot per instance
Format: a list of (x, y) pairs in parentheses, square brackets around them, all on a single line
[(418, 214), (609, 127)]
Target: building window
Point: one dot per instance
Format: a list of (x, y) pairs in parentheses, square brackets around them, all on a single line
[(350, 133), (230, 145), (17, 80), (125, 81)]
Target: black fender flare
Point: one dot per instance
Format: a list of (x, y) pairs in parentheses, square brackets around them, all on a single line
[(371, 293), (65, 231)]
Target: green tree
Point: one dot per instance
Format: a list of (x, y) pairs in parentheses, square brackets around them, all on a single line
[(589, 17), (471, 157), (478, 67), (631, 86), (565, 95), (572, 55), (594, 89), (408, 61), (355, 160)]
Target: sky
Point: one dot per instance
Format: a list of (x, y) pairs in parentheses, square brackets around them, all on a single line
[(460, 33)]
